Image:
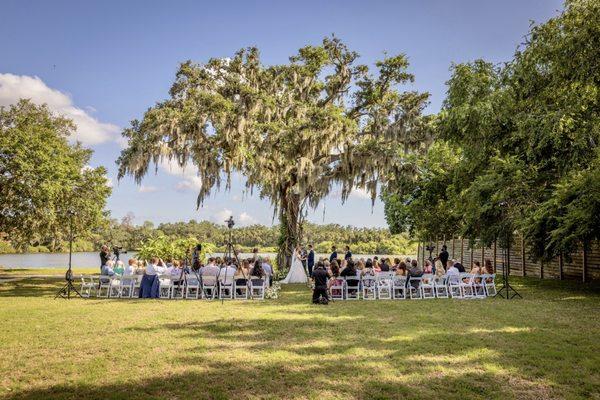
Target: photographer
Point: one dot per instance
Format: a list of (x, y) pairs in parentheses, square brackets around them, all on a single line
[(104, 256), (321, 277)]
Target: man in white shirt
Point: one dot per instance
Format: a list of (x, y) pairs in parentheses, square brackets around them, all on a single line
[(226, 273), (152, 267), (452, 270), (210, 269)]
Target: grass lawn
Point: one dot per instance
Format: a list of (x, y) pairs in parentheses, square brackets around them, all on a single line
[(545, 346)]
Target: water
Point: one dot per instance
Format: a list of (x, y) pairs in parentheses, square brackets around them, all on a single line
[(91, 259)]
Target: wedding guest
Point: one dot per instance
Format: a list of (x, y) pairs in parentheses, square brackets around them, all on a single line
[(266, 265), (443, 256), (439, 268), (254, 254), (104, 256), (107, 270), (384, 266), (131, 268), (226, 273), (327, 264), (153, 267), (337, 265), (452, 270), (368, 270), (350, 270), (119, 267), (333, 255), (211, 269), (360, 266), (488, 267), (414, 272), (476, 268), (376, 265), (310, 260), (396, 264), (348, 253), (401, 270), (459, 267), (258, 270), (428, 269)]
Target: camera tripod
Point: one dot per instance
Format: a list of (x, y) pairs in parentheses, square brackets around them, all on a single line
[(506, 291), (65, 291)]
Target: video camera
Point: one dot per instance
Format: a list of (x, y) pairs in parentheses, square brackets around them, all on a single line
[(117, 250), (230, 222)]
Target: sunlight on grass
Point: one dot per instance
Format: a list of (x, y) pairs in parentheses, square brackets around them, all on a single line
[(288, 348)]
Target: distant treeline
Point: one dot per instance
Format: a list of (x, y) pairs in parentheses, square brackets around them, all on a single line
[(130, 236)]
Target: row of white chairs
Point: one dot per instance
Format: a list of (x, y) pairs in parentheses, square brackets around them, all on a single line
[(208, 287), (387, 286)]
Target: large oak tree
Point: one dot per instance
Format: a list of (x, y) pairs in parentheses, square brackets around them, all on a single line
[(293, 130)]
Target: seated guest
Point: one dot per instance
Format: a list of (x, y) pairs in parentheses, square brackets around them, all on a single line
[(176, 272), (360, 266), (452, 270), (210, 270), (258, 270), (407, 261), (401, 270), (119, 267), (368, 270), (337, 265), (476, 268), (396, 264), (376, 265), (414, 272), (242, 274), (343, 264), (350, 270), (153, 267), (488, 267), (131, 268), (384, 266), (439, 268), (327, 264), (335, 273), (227, 272), (428, 269), (107, 270), (459, 267)]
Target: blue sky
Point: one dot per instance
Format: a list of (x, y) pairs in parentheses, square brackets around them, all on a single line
[(106, 62)]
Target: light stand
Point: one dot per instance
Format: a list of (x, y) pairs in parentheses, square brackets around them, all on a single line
[(65, 291), (506, 290)]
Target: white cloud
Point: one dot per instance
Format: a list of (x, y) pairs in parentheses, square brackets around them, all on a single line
[(220, 216), (147, 189), (360, 193), (246, 219), (189, 174), (90, 131)]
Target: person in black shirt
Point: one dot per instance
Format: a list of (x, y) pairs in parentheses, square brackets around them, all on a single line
[(444, 256), (333, 255), (348, 253), (321, 277), (310, 259), (104, 256), (459, 267)]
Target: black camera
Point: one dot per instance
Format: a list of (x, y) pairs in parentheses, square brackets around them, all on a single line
[(118, 250), (230, 223)]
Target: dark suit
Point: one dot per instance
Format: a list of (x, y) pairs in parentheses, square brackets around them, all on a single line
[(321, 276), (333, 256), (311, 261), (414, 272)]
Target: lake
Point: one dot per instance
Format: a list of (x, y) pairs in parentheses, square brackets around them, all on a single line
[(89, 259)]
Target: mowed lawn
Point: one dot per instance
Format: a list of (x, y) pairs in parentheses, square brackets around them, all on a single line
[(545, 346)]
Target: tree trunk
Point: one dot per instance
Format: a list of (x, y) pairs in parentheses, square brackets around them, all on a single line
[(289, 215)]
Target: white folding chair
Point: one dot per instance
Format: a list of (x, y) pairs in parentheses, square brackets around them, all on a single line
[(240, 289), (177, 287), (479, 286), (226, 287), (114, 290), (467, 290), (165, 286), (454, 286), (125, 286), (209, 287), (440, 286), (257, 287), (104, 285), (352, 288), (384, 286), (192, 288), (490, 285), (414, 287), (336, 291), (135, 287), (88, 285), (369, 288), (399, 287), (427, 288)]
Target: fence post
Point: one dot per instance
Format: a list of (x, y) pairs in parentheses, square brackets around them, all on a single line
[(523, 255), (462, 248), (560, 266), (541, 269), (495, 255), (471, 260), (585, 261)]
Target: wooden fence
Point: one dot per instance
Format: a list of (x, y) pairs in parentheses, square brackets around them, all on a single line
[(583, 265)]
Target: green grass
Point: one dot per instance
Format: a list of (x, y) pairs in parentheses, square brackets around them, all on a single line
[(545, 346)]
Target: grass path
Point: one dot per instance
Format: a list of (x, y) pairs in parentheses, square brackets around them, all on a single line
[(545, 346)]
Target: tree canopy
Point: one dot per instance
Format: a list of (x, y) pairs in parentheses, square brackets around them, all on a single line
[(293, 130), (526, 137), (42, 177)]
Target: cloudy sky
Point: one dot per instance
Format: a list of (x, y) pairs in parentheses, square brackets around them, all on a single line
[(104, 63)]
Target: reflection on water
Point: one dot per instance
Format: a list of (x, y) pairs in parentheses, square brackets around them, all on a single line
[(90, 259)]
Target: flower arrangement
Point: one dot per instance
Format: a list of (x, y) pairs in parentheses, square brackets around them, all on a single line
[(273, 291)]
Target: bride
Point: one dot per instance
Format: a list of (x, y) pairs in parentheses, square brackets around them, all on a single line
[(296, 273)]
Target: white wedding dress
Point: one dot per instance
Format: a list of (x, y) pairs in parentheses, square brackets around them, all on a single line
[(296, 273)]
